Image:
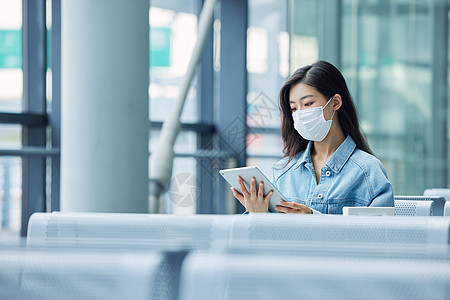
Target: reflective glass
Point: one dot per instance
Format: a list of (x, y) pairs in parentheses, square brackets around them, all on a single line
[(387, 57), (185, 190), (264, 144), (11, 76), (264, 164), (392, 53), (268, 68), (10, 136), (48, 22), (10, 193), (304, 33), (173, 32)]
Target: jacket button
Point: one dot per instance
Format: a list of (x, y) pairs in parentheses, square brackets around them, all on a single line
[(328, 173), (320, 196)]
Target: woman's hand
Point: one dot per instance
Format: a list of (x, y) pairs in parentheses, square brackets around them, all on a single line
[(293, 208), (253, 201)]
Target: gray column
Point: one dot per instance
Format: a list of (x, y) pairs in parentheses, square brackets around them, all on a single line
[(34, 101), (232, 124), (104, 105), (54, 118)]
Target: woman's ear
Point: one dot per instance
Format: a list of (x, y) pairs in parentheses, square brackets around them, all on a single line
[(336, 102)]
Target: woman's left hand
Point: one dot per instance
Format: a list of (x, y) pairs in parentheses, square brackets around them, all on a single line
[(293, 208)]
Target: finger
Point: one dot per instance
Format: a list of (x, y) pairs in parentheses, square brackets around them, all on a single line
[(286, 203), (269, 195), (297, 209), (261, 191), (253, 186), (284, 209), (242, 186), (238, 195), (301, 207)]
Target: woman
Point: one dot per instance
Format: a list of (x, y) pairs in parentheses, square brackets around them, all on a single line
[(327, 162)]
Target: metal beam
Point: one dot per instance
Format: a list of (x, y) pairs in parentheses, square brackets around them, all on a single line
[(31, 151), (439, 150), (34, 100), (201, 127), (205, 88), (55, 115), (26, 119)]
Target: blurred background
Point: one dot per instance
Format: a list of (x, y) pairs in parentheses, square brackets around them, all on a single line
[(394, 55)]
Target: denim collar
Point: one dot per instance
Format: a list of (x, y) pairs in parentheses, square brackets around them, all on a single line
[(337, 159)]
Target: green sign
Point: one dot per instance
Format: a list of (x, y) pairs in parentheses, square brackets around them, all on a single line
[(160, 47), (11, 49)]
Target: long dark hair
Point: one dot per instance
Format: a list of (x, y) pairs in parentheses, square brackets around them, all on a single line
[(328, 81)]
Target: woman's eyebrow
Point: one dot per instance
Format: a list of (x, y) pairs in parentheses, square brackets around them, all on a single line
[(306, 96), (302, 98)]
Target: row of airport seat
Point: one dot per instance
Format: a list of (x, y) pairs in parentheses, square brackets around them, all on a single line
[(238, 274), (262, 256), (207, 232)]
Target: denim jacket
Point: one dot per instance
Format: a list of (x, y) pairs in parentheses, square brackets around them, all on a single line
[(351, 177)]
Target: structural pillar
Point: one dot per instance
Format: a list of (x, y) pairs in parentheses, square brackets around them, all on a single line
[(104, 105)]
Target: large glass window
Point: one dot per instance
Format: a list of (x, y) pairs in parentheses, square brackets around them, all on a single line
[(388, 58), (11, 77), (304, 32), (393, 55), (173, 32), (268, 68), (11, 86)]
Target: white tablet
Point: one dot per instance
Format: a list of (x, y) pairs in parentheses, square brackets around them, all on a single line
[(247, 173)]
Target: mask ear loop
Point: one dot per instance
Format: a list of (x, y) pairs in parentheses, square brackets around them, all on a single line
[(326, 105), (332, 115)]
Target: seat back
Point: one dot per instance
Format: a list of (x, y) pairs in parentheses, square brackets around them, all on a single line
[(43, 274), (205, 232), (287, 232), (240, 276), (413, 208), (437, 207), (117, 229), (441, 192)]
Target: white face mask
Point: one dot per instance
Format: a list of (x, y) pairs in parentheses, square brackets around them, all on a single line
[(311, 124)]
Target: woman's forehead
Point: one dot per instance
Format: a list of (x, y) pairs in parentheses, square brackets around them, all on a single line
[(301, 90)]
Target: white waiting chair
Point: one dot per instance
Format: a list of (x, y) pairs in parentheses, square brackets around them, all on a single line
[(287, 232), (47, 274), (413, 206), (241, 276), (441, 192), (158, 231), (206, 232)]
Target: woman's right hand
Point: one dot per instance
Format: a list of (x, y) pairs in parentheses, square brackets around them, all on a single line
[(253, 201)]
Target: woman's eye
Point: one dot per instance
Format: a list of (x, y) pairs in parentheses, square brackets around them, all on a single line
[(309, 103), (293, 109)]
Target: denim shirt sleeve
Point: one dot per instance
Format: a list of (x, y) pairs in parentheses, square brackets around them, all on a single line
[(382, 192)]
